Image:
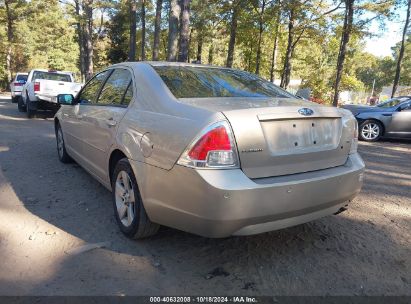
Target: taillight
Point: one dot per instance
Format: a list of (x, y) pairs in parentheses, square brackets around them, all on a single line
[(36, 86), (18, 84), (354, 141), (214, 147)]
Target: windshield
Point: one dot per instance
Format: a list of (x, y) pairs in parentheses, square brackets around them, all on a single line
[(51, 76), (392, 102), (197, 82)]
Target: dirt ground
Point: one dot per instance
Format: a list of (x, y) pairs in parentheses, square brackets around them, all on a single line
[(48, 209)]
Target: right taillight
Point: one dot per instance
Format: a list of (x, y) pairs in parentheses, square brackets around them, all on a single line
[(214, 147), (36, 86)]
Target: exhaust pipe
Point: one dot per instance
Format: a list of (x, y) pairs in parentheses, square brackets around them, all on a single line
[(342, 209)]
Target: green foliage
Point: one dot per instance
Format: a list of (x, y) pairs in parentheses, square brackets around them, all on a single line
[(45, 36)]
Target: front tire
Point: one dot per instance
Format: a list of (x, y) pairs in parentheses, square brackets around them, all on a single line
[(61, 147), (128, 205), (370, 130)]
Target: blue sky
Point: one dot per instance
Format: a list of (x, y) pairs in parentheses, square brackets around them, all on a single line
[(381, 44)]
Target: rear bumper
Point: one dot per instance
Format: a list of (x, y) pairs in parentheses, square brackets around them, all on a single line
[(220, 203), (15, 93)]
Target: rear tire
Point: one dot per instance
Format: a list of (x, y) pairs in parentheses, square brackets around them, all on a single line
[(20, 105), (30, 112), (370, 130), (14, 99), (61, 147), (128, 206)]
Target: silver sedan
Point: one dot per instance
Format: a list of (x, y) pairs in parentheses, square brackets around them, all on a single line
[(208, 150)]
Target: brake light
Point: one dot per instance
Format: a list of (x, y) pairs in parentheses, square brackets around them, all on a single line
[(18, 84), (213, 148), (36, 86), (354, 141)]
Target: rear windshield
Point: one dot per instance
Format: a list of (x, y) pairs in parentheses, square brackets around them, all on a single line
[(51, 76), (197, 82), (21, 78)]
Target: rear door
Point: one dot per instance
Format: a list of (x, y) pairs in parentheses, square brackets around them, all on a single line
[(100, 120)]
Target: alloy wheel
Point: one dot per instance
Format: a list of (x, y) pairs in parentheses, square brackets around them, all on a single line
[(125, 200), (370, 131)]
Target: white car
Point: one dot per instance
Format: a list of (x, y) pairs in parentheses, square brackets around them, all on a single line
[(41, 90), (17, 85)]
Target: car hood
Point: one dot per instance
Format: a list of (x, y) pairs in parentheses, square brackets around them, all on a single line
[(222, 104), (356, 109)]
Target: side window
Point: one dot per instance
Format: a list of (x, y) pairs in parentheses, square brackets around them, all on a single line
[(128, 96), (115, 87), (89, 92)]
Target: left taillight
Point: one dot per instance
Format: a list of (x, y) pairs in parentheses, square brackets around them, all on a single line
[(214, 148), (354, 140), (36, 86)]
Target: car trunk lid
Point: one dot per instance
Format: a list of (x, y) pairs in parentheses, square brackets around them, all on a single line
[(274, 139)]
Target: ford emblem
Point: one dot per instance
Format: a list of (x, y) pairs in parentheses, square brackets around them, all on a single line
[(306, 111)]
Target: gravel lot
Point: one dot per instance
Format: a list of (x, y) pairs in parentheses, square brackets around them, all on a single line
[(48, 209)]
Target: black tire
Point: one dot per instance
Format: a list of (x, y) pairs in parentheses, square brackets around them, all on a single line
[(14, 99), (61, 150), (20, 105), (141, 226), (30, 112), (370, 130)]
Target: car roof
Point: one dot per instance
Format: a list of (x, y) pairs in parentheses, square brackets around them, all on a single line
[(165, 63)]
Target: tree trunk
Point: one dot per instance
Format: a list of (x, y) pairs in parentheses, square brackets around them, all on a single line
[(260, 38), (233, 34), (143, 30), (188, 48), (88, 38), (184, 31), (174, 21), (345, 38), (133, 30), (275, 46), (199, 45), (285, 77), (402, 49), (80, 41), (211, 53), (10, 37), (157, 30)]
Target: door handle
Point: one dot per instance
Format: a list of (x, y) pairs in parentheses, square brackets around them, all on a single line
[(111, 122)]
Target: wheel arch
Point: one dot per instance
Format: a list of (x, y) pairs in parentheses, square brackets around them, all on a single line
[(115, 156)]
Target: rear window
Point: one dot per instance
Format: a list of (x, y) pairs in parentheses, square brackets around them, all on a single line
[(21, 78), (51, 76), (197, 82)]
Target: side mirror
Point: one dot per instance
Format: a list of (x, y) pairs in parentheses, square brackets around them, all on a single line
[(65, 99)]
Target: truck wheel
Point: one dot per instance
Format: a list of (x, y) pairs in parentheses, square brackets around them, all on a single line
[(20, 105), (61, 147), (128, 205), (30, 111)]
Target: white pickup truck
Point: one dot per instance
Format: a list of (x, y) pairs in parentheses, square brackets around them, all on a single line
[(42, 88)]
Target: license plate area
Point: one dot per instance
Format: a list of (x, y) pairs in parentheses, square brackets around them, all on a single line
[(296, 136)]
